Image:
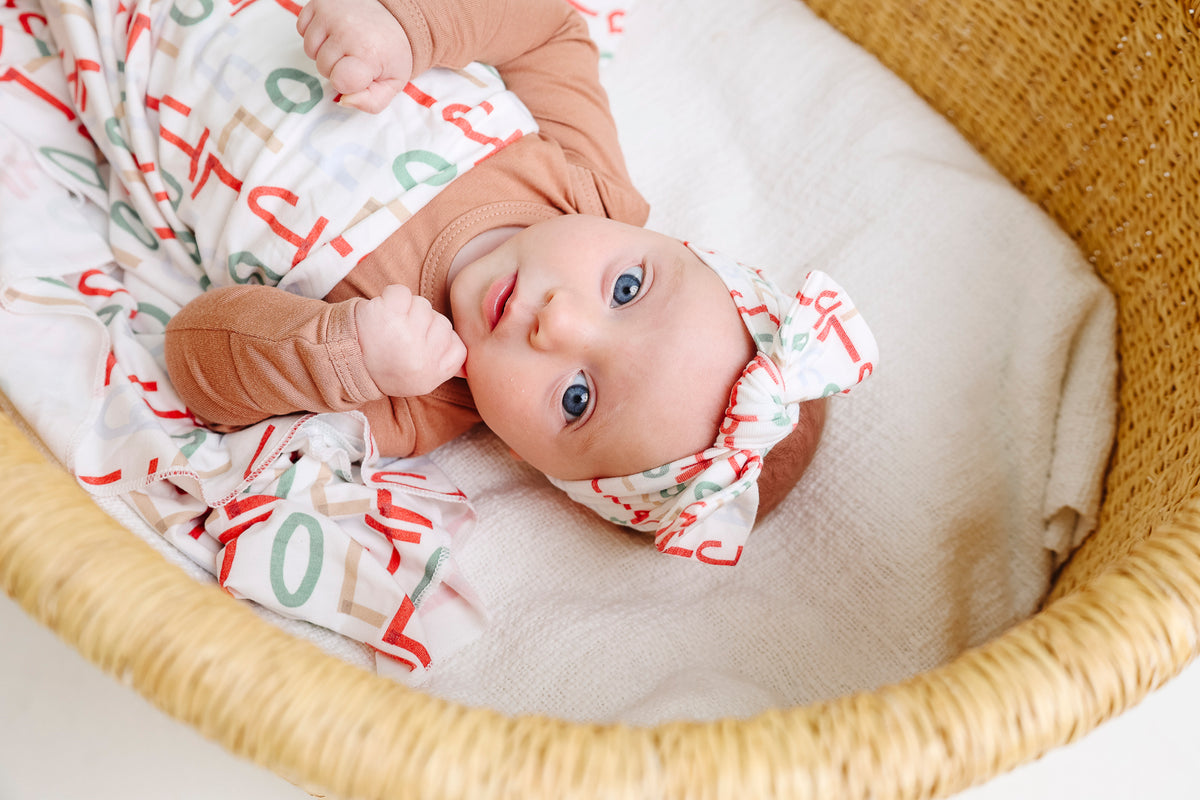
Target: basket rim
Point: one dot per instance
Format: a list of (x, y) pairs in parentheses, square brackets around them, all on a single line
[(1043, 683)]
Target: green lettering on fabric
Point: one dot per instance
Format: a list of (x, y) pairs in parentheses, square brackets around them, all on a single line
[(316, 557), (92, 176), (127, 218), (294, 76), (258, 273), (444, 171), (206, 8)]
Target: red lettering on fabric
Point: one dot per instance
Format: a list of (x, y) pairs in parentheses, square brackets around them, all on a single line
[(614, 26), (453, 114), (101, 480), (11, 74), (303, 244), (173, 104), (242, 506), (394, 635), (388, 476), (170, 413), (751, 311), (75, 78), (25, 18), (720, 562), (92, 291), (227, 563), (399, 514), (213, 164), (418, 95), (262, 443), (694, 470), (664, 547), (149, 386), (825, 311), (231, 534), (137, 26), (835, 324), (193, 153)]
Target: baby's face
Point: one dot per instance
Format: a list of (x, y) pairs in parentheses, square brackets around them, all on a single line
[(598, 349)]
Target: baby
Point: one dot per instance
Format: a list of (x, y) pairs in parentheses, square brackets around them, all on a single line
[(663, 385)]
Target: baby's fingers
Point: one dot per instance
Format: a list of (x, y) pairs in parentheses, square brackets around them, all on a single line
[(315, 34), (374, 98), (348, 74), (305, 17), (455, 359), (453, 351)]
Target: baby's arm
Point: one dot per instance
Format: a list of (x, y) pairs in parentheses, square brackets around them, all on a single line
[(240, 354)]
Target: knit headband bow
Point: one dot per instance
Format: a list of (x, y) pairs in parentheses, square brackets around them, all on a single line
[(810, 345)]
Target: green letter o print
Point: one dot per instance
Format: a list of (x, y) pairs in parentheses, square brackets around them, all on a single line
[(127, 218), (316, 555), (295, 76), (92, 178), (206, 8), (445, 171)]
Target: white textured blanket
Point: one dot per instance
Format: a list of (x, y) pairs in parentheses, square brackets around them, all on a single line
[(944, 488)]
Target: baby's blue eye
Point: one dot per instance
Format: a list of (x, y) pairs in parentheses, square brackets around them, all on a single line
[(628, 284), (576, 398)]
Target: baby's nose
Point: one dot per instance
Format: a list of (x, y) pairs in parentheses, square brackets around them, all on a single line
[(560, 324)]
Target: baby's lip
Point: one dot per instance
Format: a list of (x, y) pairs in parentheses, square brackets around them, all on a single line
[(495, 300)]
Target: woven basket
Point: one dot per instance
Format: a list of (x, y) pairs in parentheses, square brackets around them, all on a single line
[(1091, 109)]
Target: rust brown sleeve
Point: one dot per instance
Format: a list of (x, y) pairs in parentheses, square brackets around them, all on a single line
[(238, 355)]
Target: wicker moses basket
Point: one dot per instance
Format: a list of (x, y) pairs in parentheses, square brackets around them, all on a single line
[(1091, 108)]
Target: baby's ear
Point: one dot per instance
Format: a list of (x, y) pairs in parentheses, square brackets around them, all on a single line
[(787, 461)]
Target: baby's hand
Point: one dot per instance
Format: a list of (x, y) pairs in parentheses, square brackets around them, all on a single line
[(409, 348), (360, 47)]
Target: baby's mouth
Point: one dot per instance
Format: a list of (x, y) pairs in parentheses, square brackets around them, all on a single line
[(496, 300)]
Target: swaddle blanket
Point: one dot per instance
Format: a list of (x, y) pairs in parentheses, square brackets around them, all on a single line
[(223, 158)]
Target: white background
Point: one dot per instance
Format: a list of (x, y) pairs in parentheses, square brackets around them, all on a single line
[(69, 731)]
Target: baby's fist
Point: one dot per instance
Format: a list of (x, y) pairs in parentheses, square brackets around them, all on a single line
[(409, 349), (360, 47)]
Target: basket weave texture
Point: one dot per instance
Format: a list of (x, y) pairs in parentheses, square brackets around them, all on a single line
[(1090, 108)]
